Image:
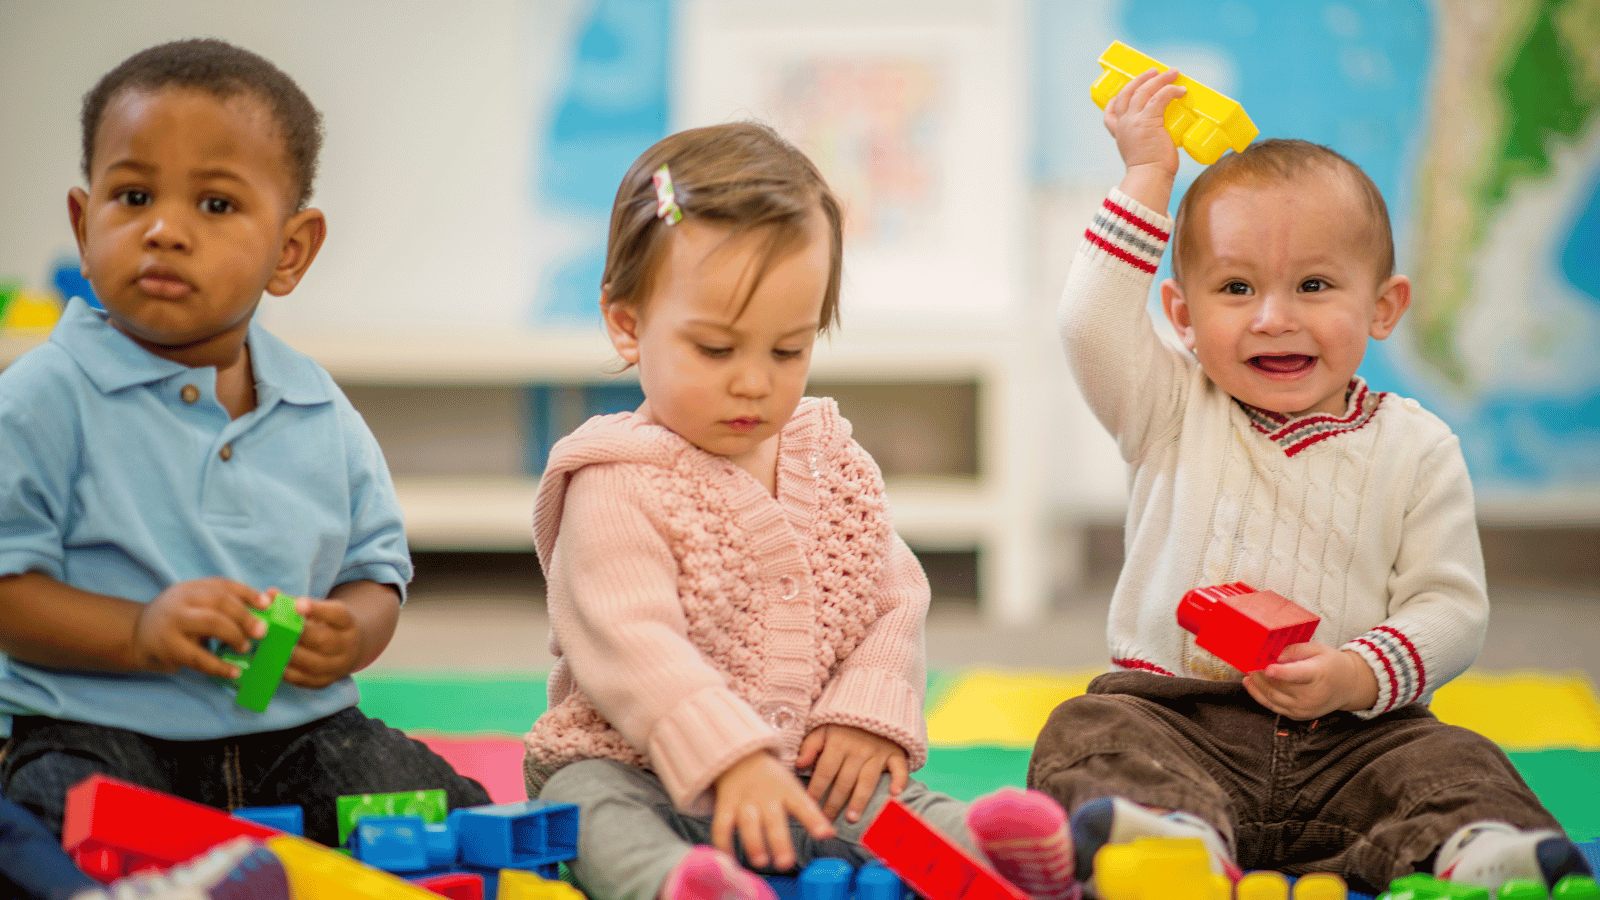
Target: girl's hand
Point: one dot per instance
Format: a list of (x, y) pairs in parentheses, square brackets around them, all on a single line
[(850, 761), (1136, 118), (329, 645), (755, 798), (171, 630), (1311, 680)]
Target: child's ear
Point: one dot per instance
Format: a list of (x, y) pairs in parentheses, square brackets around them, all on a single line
[(303, 235), (77, 203), (1177, 310), (622, 326), (1394, 298)]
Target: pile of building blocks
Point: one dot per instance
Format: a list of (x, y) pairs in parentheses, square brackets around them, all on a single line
[(261, 669), (1203, 121), (929, 862), (112, 829), (836, 879), (1244, 627)]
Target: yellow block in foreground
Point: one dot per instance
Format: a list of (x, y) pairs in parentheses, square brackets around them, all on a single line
[(317, 873)]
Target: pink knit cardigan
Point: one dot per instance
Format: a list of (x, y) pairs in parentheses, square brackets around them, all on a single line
[(696, 618)]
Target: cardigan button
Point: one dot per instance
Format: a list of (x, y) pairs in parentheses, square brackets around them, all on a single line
[(788, 587)]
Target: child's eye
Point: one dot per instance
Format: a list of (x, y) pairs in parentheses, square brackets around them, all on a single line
[(216, 205), (133, 197), (1236, 287), (1313, 285), (714, 352), (788, 354)]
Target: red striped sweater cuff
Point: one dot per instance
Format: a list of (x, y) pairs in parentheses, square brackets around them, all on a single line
[(1128, 231), (1396, 663)]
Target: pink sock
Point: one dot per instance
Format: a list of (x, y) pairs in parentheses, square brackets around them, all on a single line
[(709, 874), (1024, 834)]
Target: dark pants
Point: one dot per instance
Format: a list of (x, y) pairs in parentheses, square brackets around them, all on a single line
[(308, 766), (1368, 799), (31, 861)]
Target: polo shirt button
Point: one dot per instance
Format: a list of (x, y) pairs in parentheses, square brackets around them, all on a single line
[(190, 394), (226, 452)]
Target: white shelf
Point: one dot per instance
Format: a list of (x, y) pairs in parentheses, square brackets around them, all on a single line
[(496, 513)]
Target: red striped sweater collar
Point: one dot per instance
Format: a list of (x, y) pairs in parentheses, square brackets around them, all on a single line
[(1296, 434)]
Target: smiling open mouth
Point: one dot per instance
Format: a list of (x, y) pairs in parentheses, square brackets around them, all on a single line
[(1287, 364)]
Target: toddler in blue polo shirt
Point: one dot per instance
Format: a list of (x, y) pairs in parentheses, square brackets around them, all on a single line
[(166, 462)]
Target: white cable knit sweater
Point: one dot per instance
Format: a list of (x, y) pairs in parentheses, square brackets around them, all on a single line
[(1366, 519)]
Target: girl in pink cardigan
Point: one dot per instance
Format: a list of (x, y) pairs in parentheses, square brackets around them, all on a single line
[(738, 629)]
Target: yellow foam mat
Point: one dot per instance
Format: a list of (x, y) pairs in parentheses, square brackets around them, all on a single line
[(1518, 710)]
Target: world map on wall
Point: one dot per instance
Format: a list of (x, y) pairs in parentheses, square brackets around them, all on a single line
[(1481, 125)]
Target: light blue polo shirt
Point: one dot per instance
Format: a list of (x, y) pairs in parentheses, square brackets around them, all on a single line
[(121, 474)]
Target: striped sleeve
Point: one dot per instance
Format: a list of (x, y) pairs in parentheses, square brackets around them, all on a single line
[(1130, 378), (1393, 657)]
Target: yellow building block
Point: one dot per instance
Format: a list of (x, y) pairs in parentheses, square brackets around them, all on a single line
[(518, 885), (1320, 886), (317, 873), (1263, 885), (1203, 121), (1157, 869)]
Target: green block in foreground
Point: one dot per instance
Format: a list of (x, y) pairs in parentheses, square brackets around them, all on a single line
[(261, 670), (431, 805)]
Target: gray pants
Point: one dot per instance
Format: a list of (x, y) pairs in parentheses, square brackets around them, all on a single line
[(630, 836)]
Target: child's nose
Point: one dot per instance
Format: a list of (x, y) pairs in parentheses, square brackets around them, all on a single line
[(752, 380), (1275, 315), (166, 231)]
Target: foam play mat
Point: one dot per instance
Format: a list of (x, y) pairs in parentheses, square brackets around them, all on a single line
[(981, 725)]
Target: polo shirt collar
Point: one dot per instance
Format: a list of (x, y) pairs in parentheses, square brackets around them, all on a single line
[(113, 362)]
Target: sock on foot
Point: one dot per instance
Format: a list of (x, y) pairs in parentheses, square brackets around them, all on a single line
[(1488, 853), (1024, 834), (1114, 820), (707, 873)]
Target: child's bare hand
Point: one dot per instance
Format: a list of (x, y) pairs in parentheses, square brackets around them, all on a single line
[(171, 630), (329, 646), (846, 764), (756, 797), (1311, 680), (1135, 117)]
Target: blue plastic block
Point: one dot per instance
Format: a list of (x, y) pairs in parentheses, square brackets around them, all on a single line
[(403, 844), (287, 819), (526, 835), (874, 881), (826, 879)]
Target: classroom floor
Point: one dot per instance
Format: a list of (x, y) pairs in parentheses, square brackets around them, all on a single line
[(466, 672)]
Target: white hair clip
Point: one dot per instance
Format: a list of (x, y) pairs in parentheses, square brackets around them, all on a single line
[(667, 208)]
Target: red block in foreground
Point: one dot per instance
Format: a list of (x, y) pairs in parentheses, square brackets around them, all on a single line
[(1244, 627), (112, 828), (929, 863)]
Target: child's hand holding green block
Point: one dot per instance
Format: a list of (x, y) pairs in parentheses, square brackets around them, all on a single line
[(261, 669)]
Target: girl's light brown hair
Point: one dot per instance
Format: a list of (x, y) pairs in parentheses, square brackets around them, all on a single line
[(742, 176), (1277, 161)]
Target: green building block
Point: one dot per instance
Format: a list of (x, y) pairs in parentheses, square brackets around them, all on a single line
[(1420, 886), (261, 670), (431, 805), (1522, 889), (1576, 887)]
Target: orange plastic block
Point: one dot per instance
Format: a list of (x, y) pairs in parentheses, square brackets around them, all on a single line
[(1242, 626), (1203, 121), (112, 828), (929, 863)]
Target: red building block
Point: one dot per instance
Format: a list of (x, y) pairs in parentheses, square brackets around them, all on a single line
[(929, 863), (455, 885), (1242, 626), (112, 828)]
